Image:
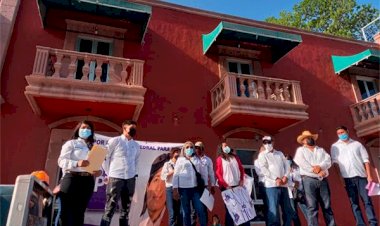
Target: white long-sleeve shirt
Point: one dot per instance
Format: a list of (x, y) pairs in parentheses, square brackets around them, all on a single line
[(206, 169), (260, 175), (306, 159), (295, 176), (168, 166), (122, 158), (184, 174), (73, 151), (273, 165), (350, 157)]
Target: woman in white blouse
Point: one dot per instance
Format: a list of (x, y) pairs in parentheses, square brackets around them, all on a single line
[(230, 173), (76, 185), (185, 185)]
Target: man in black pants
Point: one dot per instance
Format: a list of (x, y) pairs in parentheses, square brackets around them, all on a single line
[(120, 166)]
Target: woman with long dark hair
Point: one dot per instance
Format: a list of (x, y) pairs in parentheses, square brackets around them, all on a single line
[(77, 185), (230, 174), (172, 205)]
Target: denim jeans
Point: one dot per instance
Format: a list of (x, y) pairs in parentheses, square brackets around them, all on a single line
[(275, 197), (191, 195), (295, 218), (318, 192), (173, 207), (355, 186)]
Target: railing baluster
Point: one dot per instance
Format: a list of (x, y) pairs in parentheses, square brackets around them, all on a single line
[(72, 67), (58, 64), (111, 72), (98, 70), (268, 90), (86, 69), (286, 92), (277, 92), (260, 89)]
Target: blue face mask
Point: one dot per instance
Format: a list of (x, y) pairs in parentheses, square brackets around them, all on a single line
[(84, 133), (189, 152), (343, 136), (227, 150)]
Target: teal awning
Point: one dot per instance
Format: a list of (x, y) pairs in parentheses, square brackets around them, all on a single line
[(116, 9), (280, 42), (341, 63)]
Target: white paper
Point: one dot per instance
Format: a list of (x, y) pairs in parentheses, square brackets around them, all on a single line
[(208, 199), (95, 157), (373, 189)]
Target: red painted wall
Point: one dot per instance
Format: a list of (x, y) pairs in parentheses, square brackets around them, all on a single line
[(178, 78)]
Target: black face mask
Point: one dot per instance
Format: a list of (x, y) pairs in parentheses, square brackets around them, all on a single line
[(310, 141), (132, 132)]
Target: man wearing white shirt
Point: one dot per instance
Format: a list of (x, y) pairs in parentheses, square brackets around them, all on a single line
[(314, 163), (352, 159), (120, 167), (274, 167)]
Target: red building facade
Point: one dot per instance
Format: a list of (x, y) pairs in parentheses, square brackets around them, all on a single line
[(183, 74)]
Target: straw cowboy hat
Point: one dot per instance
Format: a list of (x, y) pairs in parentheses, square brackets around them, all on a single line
[(306, 134)]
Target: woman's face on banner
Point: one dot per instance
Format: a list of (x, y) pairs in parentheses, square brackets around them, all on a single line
[(155, 193)]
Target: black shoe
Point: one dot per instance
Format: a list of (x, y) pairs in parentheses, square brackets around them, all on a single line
[(123, 222), (105, 223)]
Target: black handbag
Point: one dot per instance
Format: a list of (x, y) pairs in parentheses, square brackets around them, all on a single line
[(200, 182)]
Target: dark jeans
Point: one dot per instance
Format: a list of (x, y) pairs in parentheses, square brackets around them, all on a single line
[(356, 186), (318, 192), (116, 189), (278, 196), (262, 192), (75, 193), (191, 195), (173, 208), (194, 214), (295, 218), (302, 205)]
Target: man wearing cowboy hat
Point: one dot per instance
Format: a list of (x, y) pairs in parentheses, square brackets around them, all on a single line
[(314, 163)]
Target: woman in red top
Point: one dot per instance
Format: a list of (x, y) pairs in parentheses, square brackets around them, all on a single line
[(230, 174)]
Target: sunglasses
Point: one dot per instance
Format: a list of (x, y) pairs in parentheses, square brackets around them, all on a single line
[(267, 142)]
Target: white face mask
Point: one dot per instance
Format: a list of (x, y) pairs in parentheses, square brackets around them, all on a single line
[(268, 147)]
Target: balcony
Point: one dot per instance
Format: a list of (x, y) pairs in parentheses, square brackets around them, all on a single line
[(366, 116), (264, 103), (68, 83)]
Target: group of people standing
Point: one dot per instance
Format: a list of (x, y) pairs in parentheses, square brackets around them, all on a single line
[(77, 185), (189, 171), (184, 189), (285, 181)]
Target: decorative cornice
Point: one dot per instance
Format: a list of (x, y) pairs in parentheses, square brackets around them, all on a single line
[(251, 22), (97, 29), (238, 52)]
